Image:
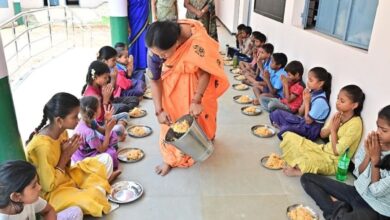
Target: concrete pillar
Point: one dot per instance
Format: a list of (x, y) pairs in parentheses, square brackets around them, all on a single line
[(118, 21), (11, 147)]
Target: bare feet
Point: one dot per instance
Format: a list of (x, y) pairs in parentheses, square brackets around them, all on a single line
[(122, 122), (256, 102), (163, 169), (245, 81), (122, 138), (114, 175), (292, 171)]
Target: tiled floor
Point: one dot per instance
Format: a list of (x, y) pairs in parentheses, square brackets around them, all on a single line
[(229, 185)]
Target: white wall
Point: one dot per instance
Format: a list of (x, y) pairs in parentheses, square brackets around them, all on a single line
[(7, 13), (227, 12), (368, 69)]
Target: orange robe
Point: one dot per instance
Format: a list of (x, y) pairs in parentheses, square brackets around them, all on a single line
[(180, 74)]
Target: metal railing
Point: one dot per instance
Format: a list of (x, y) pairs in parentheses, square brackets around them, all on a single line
[(25, 22)]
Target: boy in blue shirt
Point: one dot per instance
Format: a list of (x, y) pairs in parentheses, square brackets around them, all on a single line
[(272, 85), (253, 77)]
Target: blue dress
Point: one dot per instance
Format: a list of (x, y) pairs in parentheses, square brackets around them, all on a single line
[(290, 122), (138, 15)]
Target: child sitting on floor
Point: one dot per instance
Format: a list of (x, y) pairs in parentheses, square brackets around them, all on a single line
[(272, 85), (84, 184), (126, 85), (258, 40), (314, 110), (96, 139), (253, 77), (344, 131), (19, 195), (245, 49), (292, 90), (129, 68), (108, 56), (97, 85), (369, 197), (240, 30)]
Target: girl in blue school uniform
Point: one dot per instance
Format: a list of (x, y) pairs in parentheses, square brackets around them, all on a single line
[(313, 112)]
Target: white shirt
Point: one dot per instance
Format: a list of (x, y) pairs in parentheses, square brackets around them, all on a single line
[(28, 212), (377, 194)]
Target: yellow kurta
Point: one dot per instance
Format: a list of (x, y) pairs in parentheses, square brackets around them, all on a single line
[(78, 186), (319, 158)]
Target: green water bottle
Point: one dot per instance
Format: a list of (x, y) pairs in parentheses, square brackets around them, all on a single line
[(342, 167), (235, 61)]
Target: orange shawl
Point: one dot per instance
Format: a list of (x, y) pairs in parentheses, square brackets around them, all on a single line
[(179, 79)]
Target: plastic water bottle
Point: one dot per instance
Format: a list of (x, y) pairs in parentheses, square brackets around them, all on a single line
[(235, 61), (342, 167), (227, 49)]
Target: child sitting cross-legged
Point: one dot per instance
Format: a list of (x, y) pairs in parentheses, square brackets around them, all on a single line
[(84, 184), (272, 85), (344, 131), (258, 40), (108, 55), (313, 112), (263, 60), (292, 90), (96, 139), (97, 85)]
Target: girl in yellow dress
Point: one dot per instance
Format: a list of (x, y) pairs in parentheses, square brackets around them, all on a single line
[(84, 184), (344, 131)]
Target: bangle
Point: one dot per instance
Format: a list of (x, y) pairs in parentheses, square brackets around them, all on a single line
[(196, 101), (61, 170), (159, 111)]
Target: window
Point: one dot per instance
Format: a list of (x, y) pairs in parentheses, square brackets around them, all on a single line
[(273, 9), (3, 3), (348, 20)]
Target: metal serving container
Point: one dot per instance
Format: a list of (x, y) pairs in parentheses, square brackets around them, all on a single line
[(194, 142)]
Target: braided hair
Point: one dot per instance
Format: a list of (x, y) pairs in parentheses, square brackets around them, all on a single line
[(60, 105)]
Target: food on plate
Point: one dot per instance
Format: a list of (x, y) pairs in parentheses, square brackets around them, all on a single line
[(239, 77), (244, 99), (241, 86), (250, 109), (138, 131), (263, 131), (134, 154), (228, 62), (136, 112), (274, 161), (300, 213), (236, 71)]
